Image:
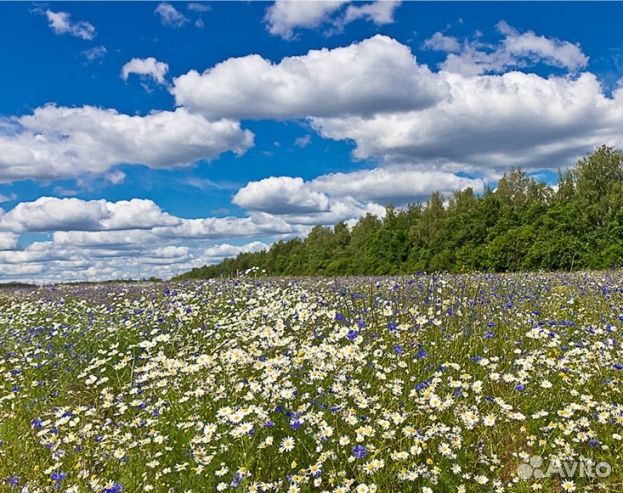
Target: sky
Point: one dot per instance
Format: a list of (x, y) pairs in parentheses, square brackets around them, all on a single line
[(144, 139)]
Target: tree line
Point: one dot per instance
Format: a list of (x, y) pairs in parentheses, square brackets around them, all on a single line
[(521, 225)]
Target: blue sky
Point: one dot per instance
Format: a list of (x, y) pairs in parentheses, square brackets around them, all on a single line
[(144, 139)]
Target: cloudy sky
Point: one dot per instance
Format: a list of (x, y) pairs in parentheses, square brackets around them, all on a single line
[(141, 139)]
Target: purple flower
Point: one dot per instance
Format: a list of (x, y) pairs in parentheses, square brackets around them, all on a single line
[(352, 335), (359, 451), (520, 387), (58, 476), (398, 349), (489, 335), (421, 354), (618, 366)]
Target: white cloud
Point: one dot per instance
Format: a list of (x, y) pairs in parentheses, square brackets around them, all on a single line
[(146, 67), (514, 50), (95, 53), (491, 122), (375, 94), (199, 7), (256, 224), (115, 177), (72, 214), (335, 197), (280, 195), (7, 198), (395, 184), (441, 42), (59, 142), (376, 75), (303, 141), (97, 239), (286, 15), (380, 12), (61, 23), (170, 16), (224, 250), (8, 240)]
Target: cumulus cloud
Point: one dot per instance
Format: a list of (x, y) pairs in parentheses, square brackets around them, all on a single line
[(380, 12), (515, 50), (375, 94), (396, 184), (146, 67), (441, 42), (98, 239), (376, 75), (284, 16), (61, 23), (340, 196), (70, 214), (491, 122), (170, 16), (336, 197), (225, 250), (279, 195), (60, 142), (256, 224), (8, 240)]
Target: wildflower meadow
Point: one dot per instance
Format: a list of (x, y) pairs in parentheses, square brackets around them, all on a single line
[(447, 383)]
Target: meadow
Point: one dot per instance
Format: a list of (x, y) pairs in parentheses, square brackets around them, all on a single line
[(441, 383)]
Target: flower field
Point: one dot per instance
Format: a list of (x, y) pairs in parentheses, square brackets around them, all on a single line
[(414, 384)]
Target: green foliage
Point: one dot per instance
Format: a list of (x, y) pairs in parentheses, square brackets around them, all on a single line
[(522, 225)]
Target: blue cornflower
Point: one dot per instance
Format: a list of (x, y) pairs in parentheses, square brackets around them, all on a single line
[(359, 451), (58, 476), (398, 349), (618, 366), (352, 335), (520, 387), (489, 335), (421, 386), (421, 354)]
